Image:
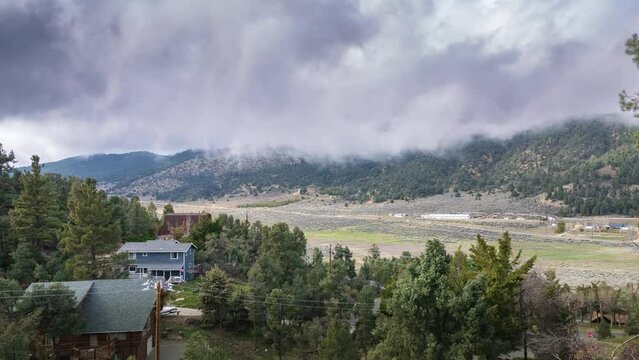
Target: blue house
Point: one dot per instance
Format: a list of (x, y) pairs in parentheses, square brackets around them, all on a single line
[(169, 259)]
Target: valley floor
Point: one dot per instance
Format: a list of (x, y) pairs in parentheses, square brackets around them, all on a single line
[(579, 257)]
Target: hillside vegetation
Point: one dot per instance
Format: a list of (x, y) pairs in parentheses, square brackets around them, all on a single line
[(589, 167)]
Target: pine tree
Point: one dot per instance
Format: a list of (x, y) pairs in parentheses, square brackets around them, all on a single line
[(168, 209), (626, 101), (203, 348), (281, 257), (338, 343), (365, 318), (35, 219), (152, 212), (10, 290), (15, 343), (9, 186), (504, 274), (138, 222), (603, 329), (214, 296), (90, 233), (36, 216), (278, 321), (632, 326), (24, 264), (418, 307), (55, 309)]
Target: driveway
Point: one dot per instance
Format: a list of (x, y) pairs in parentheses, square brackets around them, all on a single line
[(170, 350), (189, 312)]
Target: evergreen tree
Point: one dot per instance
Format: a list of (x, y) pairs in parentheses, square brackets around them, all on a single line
[(426, 319), (119, 213), (24, 263), (214, 296), (10, 290), (35, 219), (168, 209), (36, 216), (90, 233), (15, 343), (56, 311), (338, 343), (365, 319), (279, 328), (200, 347), (9, 186), (343, 254), (632, 326), (631, 102), (152, 213), (504, 275), (316, 274), (201, 233), (561, 227), (603, 330), (280, 258), (139, 223)]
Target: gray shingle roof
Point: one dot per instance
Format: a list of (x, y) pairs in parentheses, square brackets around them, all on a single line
[(79, 288), (110, 306), (155, 246), (118, 306)]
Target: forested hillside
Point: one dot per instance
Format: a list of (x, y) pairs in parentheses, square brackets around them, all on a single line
[(116, 167), (590, 167)]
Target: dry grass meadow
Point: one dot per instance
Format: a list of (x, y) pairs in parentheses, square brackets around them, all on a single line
[(579, 257)]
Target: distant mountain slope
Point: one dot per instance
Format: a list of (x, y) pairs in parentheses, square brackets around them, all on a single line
[(592, 167), (117, 168)]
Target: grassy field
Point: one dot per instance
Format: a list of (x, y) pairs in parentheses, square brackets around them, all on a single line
[(549, 251), (575, 262), (186, 295), (349, 236), (578, 256), (269, 203)]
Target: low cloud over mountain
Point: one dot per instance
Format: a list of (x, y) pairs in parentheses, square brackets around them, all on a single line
[(327, 77)]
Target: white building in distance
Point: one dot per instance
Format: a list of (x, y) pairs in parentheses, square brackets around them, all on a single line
[(446, 216)]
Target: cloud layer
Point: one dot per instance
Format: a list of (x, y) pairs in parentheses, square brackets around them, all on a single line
[(330, 77)]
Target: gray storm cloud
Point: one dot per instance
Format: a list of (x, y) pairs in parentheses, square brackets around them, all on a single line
[(330, 77)]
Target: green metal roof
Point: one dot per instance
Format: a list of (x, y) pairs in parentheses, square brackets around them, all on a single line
[(111, 306), (79, 288), (118, 305)]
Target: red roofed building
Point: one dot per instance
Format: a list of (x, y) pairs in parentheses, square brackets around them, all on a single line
[(177, 220)]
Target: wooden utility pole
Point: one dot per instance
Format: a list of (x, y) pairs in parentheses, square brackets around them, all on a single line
[(330, 256), (158, 302), (522, 311), (279, 338)]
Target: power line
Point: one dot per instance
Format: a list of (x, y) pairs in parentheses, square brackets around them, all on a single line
[(65, 292)]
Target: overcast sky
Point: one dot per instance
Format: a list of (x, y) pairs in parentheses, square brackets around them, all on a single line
[(323, 76)]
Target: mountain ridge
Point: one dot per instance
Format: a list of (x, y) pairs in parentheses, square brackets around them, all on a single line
[(564, 162)]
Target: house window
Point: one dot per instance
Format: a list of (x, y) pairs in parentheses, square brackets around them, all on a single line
[(93, 340), (144, 254), (132, 269), (132, 256), (118, 336), (174, 255)]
